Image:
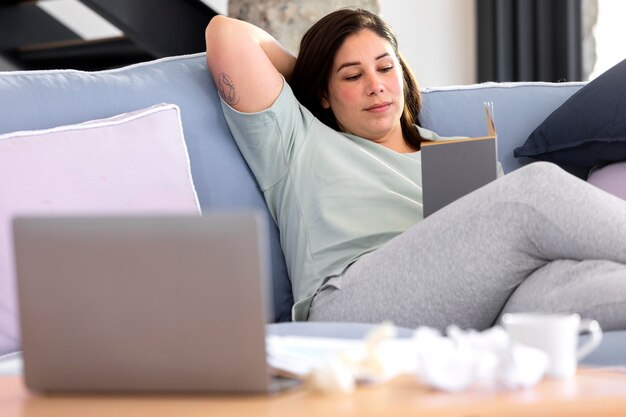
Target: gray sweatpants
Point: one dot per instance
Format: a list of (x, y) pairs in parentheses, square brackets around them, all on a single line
[(537, 239)]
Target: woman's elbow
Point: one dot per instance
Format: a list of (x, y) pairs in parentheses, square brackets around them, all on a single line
[(217, 25)]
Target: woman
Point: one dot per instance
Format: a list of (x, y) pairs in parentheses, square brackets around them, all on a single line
[(339, 167)]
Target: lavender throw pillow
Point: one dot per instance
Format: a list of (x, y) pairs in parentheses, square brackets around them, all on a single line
[(131, 163)]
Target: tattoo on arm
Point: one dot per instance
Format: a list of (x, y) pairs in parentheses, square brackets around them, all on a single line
[(227, 90)]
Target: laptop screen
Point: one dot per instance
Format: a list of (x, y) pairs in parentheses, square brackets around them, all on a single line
[(144, 303)]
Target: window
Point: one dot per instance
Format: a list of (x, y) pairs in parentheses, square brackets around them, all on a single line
[(610, 33)]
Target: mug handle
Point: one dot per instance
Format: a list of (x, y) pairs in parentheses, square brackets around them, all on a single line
[(595, 332)]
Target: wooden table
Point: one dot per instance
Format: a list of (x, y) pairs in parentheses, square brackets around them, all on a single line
[(592, 392)]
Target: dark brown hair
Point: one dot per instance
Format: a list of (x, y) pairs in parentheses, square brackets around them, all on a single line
[(318, 48)]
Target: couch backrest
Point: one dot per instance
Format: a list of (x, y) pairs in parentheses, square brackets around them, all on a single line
[(44, 99), (518, 109)]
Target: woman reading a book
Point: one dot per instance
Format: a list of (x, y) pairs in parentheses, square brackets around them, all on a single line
[(333, 141)]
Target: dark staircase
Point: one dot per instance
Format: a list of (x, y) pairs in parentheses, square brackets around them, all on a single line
[(30, 38)]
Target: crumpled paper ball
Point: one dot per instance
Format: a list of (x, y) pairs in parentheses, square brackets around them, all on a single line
[(450, 363), (465, 358), (372, 365)]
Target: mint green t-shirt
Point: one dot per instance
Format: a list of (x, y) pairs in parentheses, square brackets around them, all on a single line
[(334, 196)]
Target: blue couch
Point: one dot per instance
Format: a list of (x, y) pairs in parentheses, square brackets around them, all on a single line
[(44, 99)]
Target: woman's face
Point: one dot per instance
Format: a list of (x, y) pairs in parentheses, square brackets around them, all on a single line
[(365, 88)]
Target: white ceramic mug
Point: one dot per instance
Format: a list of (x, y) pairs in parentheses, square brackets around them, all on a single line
[(557, 335)]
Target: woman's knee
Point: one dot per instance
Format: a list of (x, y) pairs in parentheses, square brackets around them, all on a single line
[(539, 171), (537, 176)]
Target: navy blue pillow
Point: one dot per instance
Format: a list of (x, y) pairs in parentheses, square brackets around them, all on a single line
[(589, 129)]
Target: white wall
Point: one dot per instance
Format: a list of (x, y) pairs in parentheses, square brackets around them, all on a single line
[(437, 38)]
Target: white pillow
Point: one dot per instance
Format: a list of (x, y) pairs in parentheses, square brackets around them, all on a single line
[(131, 163)]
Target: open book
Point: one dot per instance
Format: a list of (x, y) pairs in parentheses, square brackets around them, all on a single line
[(453, 168)]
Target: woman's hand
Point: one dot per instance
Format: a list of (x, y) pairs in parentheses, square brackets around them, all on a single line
[(246, 63)]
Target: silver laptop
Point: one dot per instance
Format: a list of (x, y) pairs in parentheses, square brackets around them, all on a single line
[(162, 304)]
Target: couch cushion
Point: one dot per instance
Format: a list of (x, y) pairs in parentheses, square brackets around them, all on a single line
[(135, 163), (610, 178), (43, 99), (589, 129)]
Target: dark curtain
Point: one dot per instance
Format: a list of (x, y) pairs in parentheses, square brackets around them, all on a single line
[(529, 40)]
